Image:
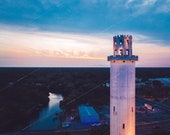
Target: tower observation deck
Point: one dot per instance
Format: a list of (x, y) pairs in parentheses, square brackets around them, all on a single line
[(122, 49), (122, 86)]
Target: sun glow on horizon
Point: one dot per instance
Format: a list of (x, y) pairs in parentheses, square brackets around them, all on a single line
[(37, 48), (47, 45)]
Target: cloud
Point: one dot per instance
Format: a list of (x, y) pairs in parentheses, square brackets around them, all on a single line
[(151, 16), (148, 6), (51, 62), (22, 47), (37, 48), (50, 44), (80, 29), (164, 8), (151, 55)]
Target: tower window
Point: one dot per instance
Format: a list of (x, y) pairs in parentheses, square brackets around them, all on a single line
[(120, 42), (121, 52), (114, 109), (123, 126), (127, 51), (132, 109)]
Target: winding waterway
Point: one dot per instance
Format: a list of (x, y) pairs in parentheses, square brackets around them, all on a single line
[(48, 118)]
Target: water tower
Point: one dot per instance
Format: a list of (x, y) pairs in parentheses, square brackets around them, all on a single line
[(122, 86)]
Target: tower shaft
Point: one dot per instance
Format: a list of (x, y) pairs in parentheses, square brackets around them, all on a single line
[(122, 87)]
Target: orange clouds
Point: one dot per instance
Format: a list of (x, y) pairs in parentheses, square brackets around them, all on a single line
[(52, 47), (151, 55), (26, 48)]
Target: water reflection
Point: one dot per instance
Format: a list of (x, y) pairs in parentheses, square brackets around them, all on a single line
[(47, 118)]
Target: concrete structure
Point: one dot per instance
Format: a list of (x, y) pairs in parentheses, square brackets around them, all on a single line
[(88, 114), (122, 86)]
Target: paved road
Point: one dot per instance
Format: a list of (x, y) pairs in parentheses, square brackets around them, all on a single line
[(153, 127), (50, 132), (154, 103), (141, 129), (156, 126)]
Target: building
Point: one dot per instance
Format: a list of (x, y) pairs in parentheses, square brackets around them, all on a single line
[(122, 86), (88, 114)]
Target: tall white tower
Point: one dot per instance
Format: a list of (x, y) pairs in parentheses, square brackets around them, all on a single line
[(122, 86)]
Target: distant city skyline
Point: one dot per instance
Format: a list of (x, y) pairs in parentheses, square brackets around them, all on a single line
[(78, 33)]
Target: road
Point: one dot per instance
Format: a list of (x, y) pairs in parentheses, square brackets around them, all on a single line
[(153, 127), (50, 132), (154, 103), (159, 122), (141, 129)]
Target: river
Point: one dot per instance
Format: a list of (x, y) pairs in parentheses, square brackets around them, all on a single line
[(48, 118)]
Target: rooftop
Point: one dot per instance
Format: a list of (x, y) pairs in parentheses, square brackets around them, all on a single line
[(87, 111)]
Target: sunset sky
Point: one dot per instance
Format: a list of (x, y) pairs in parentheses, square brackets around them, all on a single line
[(78, 33)]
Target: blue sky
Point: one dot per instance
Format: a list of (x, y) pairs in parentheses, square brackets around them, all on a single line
[(79, 32)]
